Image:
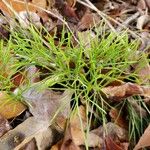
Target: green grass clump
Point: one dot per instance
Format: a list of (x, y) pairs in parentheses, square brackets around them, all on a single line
[(65, 65)]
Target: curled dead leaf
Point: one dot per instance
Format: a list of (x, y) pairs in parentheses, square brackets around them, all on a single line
[(144, 140), (125, 90)]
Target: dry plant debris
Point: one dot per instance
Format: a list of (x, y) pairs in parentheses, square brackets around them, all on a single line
[(48, 101)]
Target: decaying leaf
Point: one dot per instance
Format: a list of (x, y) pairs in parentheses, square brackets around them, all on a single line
[(11, 6), (16, 6), (113, 131), (143, 4), (22, 134), (45, 104), (30, 145), (44, 139), (76, 133), (26, 18), (111, 145), (88, 21), (13, 107), (68, 143), (40, 3), (142, 20), (144, 140), (71, 2), (118, 93), (4, 28), (4, 126), (117, 118)]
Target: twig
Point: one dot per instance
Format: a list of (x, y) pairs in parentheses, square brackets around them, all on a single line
[(129, 20)]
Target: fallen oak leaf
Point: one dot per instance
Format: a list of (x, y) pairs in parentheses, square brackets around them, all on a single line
[(143, 71), (125, 90), (144, 140)]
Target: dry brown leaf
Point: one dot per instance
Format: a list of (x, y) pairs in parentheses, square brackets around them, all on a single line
[(113, 131), (71, 3), (111, 145), (18, 79), (23, 133), (144, 140), (117, 118), (4, 126), (143, 4), (4, 28), (30, 145), (26, 18), (88, 21), (142, 20), (40, 3), (68, 142), (78, 139), (75, 119), (13, 107), (70, 14), (77, 135), (19, 5), (118, 93), (47, 103)]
